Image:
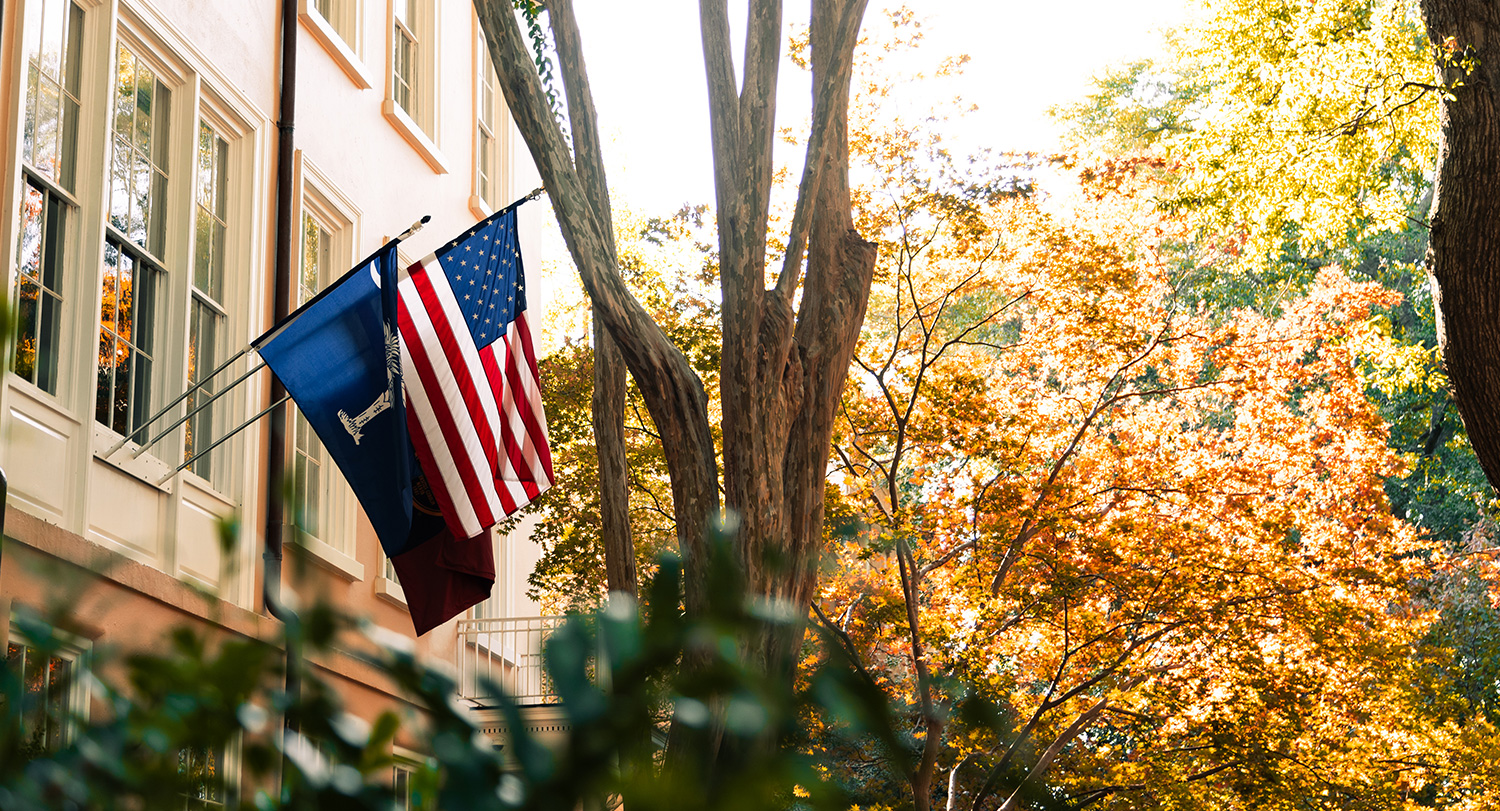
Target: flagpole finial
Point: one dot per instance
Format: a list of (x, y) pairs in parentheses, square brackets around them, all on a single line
[(415, 227), (535, 193)]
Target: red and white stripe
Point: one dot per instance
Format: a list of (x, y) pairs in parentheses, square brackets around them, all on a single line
[(475, 413)]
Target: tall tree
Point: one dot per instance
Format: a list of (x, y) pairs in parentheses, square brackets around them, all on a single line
[(786, 346), (1464, 254)]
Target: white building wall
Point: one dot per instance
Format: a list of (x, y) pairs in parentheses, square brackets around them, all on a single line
[(362, 165)]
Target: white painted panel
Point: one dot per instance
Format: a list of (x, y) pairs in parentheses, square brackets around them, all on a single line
[(198, 554), (37, 465), (125, 513)]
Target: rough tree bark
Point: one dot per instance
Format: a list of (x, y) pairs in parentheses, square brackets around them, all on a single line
[(784, 362), (609, 368), (1464, 253)]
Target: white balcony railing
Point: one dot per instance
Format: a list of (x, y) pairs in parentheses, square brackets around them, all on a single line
[(505, 652)]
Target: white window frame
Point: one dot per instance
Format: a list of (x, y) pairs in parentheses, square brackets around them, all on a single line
[(77, 652), (341, 33), (407, 761), (417, 120), (317, 197), (64, 465), (497, 128), (59, 256), (149, 336), (229, 773)]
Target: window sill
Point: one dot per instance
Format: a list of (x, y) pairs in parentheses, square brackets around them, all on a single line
[(414, 136), (479, 207), (390, 591), (340, 564), (334, 44)]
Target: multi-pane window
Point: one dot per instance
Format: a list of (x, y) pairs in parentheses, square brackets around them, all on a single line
[(46, 696), (133, 244), (401, 779), (404, 56), (309, 460), (51, 43), (486, 138), (203, 769), (207, 316), (341, 16)]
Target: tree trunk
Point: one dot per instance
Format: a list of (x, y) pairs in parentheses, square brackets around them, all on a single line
[(609, 368), (1464, 253), (783, 367)]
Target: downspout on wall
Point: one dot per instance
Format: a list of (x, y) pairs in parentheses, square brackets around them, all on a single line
[(281, 307)]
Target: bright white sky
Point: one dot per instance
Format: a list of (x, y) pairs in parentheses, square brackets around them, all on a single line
[(647, 70)]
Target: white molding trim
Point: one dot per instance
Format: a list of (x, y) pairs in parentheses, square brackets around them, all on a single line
[(329, 558), (333, 42), (415, 136)]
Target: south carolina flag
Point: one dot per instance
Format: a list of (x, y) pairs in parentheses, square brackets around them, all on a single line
[(338, 356)]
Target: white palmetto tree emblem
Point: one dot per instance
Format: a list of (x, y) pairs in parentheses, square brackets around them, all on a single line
[(355, 425)]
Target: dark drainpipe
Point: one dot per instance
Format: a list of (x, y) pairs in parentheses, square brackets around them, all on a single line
[(281, 306)]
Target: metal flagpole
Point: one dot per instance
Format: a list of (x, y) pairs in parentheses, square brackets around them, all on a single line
[(168, 407), (221, 440), (185, 417)]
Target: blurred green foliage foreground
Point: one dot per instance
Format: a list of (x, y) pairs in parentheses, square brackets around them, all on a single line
[(143, 745)]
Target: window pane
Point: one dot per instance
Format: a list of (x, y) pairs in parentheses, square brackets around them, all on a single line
[(51, 44), (50, 51), (203, 357), (105, 386), (28, 317), (209, 228), (46, 684), (203, 249), (221, 185), (71, 68), (138, 178), (48, 111), (125, 92), (67, 151), (145, 87), (402, 60), (203, 768), (28, 129), (38, 303), (126, 336)]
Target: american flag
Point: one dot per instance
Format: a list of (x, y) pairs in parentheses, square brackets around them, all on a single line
[(474, 404)]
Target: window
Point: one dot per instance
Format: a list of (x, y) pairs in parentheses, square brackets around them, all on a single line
[(309, 460), (405, 50), (133, 243), (207, 315), (49, 137), (495, 605), (404, 57), (488, 155), (401, 778), (203, 768), (324, 506), (52, 694), (411, 81), (341, 16)]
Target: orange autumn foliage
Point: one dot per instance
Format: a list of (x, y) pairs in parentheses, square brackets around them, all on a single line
[(1156, 537)]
